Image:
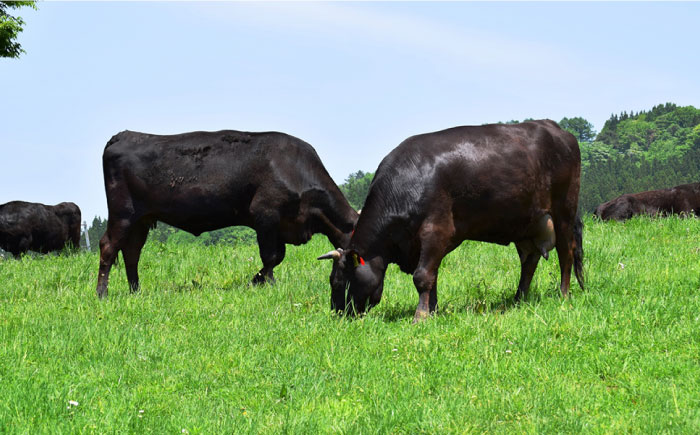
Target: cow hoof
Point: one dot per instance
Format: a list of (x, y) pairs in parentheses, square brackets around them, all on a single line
[(420, 316), (260, 279), (519, 297)]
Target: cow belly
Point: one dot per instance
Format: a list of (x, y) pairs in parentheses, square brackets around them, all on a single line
[(296, 236), (197, 223), (192, 210), (503, 230)]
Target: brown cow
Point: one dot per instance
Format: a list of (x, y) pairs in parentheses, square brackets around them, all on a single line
[(203, 181), (493, 183), (680, 199)]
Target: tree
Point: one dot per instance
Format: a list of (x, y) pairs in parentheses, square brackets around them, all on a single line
[(10, 27), (95, 232), (579, 127), (356, 188)]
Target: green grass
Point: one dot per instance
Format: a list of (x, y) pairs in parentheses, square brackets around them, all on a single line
[(199, 350)]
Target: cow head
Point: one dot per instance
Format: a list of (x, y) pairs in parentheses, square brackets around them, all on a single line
[(356, 284), (621, 208)]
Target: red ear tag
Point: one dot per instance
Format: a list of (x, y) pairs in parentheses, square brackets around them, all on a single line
[(362, 261)]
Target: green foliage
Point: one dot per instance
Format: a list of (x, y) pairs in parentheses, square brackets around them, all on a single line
[(515, 121), (161, 232), (579, 127), (230, 236), (198, 349), (661, 133), (356, 188), (95, 232), (11, 27), (638, 152), (595, 153), (635, 136)]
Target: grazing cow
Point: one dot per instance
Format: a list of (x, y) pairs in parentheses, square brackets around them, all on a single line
[(680, 199), (26, 226), (203, 181), (493, 183)]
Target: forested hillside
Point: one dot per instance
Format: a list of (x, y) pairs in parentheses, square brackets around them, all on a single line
[(652, 149)]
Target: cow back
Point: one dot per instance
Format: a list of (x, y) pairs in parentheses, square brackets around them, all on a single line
[(207, 180)]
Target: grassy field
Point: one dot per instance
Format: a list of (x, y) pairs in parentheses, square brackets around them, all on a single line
[(199, 351)]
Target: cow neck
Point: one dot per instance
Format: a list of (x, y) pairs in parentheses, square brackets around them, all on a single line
[(338, 228), (337, 238), (340, 219)]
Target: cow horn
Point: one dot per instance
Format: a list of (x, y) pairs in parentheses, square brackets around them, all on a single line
[(332, 255)]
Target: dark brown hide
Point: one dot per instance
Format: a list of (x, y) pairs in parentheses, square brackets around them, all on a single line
[(680, 199), (493, 183), (30, 226), (203, 181)]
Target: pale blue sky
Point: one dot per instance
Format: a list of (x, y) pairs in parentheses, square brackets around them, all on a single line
[(352, 79)]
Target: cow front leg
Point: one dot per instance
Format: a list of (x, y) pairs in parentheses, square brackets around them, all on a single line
[(528, 265), (425, 280), (271, 253), (435, 244)]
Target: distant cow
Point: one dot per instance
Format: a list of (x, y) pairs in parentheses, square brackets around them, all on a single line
[(680, 199), (493, 183), (30, 226), (203, 181)]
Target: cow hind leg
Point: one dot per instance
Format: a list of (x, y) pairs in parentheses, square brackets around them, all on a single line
[(110, 244), (132, 252), (272, 252), (565, 246), (528, 265), (578, 250)]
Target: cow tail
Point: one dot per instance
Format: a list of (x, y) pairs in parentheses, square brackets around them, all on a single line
[(578, 252)]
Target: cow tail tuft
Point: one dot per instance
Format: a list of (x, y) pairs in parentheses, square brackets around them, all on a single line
[(578, 252)]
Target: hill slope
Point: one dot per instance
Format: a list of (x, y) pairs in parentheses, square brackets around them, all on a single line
[(635, 152)]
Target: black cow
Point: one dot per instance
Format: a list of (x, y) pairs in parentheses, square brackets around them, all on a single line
[(493, 183), (680, 199), (30, 226), (203, 181)]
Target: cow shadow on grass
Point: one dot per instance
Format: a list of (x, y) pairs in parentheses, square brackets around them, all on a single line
[(196, 285), (399, 313), (404, 312)]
